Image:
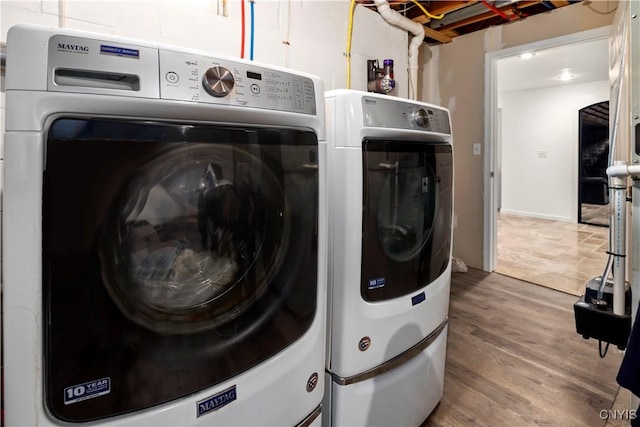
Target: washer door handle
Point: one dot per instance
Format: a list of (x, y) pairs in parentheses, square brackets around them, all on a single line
[(388, 165)]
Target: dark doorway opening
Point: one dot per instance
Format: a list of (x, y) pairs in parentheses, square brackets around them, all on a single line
[(593, 189)]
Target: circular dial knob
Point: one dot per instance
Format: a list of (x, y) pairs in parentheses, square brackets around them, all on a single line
[(421, 118), (218, 81)]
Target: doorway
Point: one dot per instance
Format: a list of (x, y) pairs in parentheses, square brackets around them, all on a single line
[(543, 152), (593, 158)]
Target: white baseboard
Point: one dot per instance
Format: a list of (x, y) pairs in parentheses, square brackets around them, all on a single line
[(538, 215)]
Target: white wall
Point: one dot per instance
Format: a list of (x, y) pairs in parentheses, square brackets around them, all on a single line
[(316, 30), (540, 148)]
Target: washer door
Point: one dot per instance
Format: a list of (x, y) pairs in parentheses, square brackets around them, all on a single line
[(406, 216), (194, 238), (175, 257)]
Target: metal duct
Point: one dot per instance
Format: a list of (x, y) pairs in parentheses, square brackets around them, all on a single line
[(465, 13)]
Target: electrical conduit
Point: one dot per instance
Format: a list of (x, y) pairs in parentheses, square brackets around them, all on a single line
[(349, 38), (618, 228), (618, 172), (396, 19)]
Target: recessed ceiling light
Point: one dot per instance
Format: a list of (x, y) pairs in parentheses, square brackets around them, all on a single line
[(566, 76), (527, 55)]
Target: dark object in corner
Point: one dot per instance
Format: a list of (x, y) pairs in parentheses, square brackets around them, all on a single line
[(594, 320)]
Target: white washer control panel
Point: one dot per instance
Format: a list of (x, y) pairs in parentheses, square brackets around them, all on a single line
[(93, 65), (397, 114), (196, 78)]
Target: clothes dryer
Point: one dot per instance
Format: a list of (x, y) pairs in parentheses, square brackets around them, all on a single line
[(390, 186), (163, 235)]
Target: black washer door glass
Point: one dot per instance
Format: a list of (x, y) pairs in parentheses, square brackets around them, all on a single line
[(406, 216), (406, 207), (175, 256), (187, 230)]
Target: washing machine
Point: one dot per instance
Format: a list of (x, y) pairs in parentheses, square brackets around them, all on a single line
[(164, 244), (390, 192)]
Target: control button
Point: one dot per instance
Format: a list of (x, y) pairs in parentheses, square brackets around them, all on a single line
[(172, 77), (218, 81), (255, 89), (421, 118)]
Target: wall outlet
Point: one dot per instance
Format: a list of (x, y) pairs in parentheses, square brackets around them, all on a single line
[(477, 149)]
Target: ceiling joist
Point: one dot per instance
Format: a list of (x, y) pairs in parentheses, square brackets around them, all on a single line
[(442, 7), (437, 35), (462, 17)]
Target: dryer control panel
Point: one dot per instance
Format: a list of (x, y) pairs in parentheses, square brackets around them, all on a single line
[(397, 114), (189, 77), (132, 69)]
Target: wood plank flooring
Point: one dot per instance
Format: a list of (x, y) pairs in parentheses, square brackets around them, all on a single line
[(557, 254), (514, 358)]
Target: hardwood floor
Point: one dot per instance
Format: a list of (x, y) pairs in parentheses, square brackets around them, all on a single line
[(557, 254), (515, 359)]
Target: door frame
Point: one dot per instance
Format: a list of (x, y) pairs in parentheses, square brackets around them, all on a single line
[(491, 128)]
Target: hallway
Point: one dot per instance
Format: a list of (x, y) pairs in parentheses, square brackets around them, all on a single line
[(557, 254)]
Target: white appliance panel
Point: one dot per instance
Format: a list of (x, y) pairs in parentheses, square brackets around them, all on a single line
[(366, 337), (264, 394), (404, 396), (351, 317)]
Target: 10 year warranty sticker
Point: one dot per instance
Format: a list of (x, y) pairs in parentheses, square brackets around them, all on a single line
[(89, 390)]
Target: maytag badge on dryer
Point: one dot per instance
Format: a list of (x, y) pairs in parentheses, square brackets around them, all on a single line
[(71, 47), (216, 401)]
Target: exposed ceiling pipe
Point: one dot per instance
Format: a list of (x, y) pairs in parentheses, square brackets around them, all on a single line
[(496, 10), (465, 13), (396, 19)]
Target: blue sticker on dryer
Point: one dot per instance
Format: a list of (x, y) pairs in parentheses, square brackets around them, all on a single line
[(376, 283), (119, 51), (417, 299), (89, 390)]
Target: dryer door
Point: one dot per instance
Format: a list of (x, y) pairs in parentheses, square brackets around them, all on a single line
[(406, 222), (175, 257)]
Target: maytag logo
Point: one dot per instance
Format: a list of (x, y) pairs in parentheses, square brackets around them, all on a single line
[(68, 47), (216, 401)]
